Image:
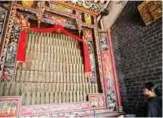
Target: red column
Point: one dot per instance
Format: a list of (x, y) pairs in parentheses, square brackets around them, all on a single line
[(114, 70)]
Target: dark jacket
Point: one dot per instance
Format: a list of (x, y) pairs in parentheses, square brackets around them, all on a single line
[(151, 108), (154, 107)]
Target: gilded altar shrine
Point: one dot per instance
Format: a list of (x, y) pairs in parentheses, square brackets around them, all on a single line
[(55, 61)]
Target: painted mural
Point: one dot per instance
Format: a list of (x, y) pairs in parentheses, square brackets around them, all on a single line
[(108, 72)]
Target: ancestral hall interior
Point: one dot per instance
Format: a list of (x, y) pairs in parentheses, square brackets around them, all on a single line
[(63, 58)]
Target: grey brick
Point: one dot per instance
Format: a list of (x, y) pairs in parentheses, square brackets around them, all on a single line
[(138, 54)]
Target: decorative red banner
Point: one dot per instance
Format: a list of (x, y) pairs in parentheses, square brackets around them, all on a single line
[(23, 40)]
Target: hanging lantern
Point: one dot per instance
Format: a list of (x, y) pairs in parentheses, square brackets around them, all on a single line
[(26, 3)]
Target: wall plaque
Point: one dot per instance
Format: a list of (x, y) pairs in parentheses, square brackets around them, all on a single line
[(97, 100), (9, 106)]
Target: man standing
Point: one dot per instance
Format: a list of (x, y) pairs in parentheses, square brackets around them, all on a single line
[(154, 100)]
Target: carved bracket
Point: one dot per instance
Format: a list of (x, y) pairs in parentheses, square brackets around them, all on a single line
[(40, 11)]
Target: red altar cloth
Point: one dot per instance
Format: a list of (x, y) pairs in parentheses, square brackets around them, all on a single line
[(22, 46), (23, 40)]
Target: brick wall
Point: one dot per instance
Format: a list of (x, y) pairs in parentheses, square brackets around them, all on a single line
[(138, 56)]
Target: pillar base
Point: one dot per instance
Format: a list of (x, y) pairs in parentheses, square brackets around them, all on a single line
[(120, 109)]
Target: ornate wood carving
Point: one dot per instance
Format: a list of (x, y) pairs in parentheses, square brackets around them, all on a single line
[(107, 71), (116, 82), (90, 5), (40, 13), (7, 38), (78, 21), (52, 19), (10, 59), (88, 35), (93, 61), (3, 16), (31, 10), (60, 8), (55, 19), (103, 41), (77, 8), (87, 25), (41, 9), (60, 13), (99, 61)]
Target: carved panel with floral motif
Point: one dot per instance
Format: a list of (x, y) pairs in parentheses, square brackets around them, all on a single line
[(3, 16)]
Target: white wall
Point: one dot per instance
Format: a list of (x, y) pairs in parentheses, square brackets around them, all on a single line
[(115, 8)]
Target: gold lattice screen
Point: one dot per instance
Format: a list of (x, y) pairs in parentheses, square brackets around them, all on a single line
[(150, 11)]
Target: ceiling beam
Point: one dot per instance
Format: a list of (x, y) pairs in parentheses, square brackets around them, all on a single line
[(77, 7)]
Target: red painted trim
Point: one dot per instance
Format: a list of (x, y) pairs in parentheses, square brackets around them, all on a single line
[(114, 69)]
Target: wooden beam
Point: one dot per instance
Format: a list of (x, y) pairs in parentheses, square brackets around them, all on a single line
[(77, 7)]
